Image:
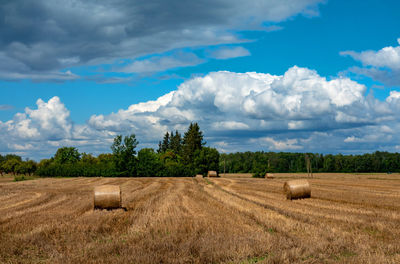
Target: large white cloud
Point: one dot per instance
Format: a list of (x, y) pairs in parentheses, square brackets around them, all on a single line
[(36, 133), (242, 111), (297, 111), (49, 120), (382, 65)]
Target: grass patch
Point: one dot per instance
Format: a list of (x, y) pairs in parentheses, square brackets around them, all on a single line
[(23, 178), (371, 231), (207, 181), (344, 254), (308, 257), (376, 233), (347, 254), (258, 175), (255, 259)]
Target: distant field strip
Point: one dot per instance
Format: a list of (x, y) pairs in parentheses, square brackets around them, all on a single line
[(196, 220)]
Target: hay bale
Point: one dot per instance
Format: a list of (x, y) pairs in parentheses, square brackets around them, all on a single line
[(107, 197), (212, 174), (269, 175), (199, 176), (297, 189)]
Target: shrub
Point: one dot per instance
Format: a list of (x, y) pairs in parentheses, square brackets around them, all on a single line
[(258, 175)]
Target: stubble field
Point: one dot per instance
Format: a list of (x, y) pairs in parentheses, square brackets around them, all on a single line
[(349, 219)]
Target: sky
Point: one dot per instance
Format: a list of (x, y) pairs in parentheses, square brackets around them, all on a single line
[(258, 75)]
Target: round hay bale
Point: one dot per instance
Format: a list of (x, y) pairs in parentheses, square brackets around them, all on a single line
[(269, 175), (297, 189), (107, 197), (212, 174)]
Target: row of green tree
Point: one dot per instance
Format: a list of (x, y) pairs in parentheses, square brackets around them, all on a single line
[(176, 156), (261, 162), (187, 155), (13, 164)]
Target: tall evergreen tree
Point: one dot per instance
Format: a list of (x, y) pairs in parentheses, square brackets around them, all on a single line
[(165, 144), (159, 147), (175, 143), (192, 141)]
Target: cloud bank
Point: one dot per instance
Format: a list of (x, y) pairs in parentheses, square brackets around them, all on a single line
[(297, 111), (39, 39)]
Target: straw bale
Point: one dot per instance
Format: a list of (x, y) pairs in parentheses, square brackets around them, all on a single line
[(199, 176), (269, 175), (107, 197), (212, 174), (296, 189)]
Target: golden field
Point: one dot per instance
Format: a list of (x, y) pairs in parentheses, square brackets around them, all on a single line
[(351, 218)]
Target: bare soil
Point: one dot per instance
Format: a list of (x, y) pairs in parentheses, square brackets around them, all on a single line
[(351, 218)]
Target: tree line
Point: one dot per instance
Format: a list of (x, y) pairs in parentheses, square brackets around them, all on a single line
[(177, 155), (13, 164), (261, 162), (186, 155)]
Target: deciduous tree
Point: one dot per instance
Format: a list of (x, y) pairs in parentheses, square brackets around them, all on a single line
[(124, 154), (67, 155)]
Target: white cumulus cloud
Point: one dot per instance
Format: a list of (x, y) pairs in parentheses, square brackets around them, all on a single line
[(385, 57), (279, 145), (235, 107), (382, 65), (297, 111), (49, 120)]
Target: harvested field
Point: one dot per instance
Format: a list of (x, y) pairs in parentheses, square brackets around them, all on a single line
[(236, 175), (349, 219)]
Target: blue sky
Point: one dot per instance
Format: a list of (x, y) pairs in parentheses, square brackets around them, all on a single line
[(307, 75)]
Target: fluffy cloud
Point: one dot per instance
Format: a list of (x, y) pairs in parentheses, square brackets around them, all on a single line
[(278, 145), (50, 120), (382, 65), (229, 53), (297, 111), (40, 38), (36, 133), (386, 57)]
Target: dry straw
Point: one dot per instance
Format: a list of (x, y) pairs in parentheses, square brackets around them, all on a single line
[(199, 176), (297, 189), (107, 197), (212, 174)]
